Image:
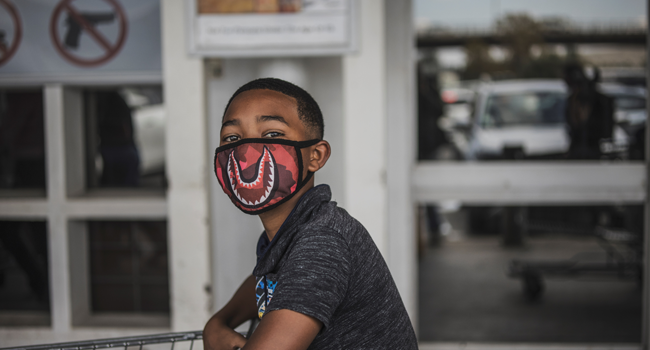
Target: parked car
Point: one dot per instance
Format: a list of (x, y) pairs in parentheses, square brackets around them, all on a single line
[(457, 115), (518, 119), (525, 119), (629, 115)]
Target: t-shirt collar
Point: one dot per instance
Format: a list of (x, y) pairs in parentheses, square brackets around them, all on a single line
[(302, 207)]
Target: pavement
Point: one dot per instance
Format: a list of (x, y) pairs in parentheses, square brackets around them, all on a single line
[(465, 296)]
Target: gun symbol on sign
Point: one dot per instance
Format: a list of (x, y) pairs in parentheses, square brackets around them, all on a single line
[(75, 28)]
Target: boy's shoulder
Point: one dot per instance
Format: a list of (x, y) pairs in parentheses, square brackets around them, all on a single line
[(319, 226), (332, 231), (329, 218)]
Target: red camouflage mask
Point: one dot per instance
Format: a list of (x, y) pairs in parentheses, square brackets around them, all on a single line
[(260, 174)]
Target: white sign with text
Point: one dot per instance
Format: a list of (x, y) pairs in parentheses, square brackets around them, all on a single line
[(307, 27)]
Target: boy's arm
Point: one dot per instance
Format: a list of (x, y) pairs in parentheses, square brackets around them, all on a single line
[(284, 330), (219, 332)]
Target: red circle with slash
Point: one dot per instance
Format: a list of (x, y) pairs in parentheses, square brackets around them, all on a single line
[(7, 53), (110, 49)]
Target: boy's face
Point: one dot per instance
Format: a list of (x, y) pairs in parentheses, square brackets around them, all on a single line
[(262, 114), (273, 115)]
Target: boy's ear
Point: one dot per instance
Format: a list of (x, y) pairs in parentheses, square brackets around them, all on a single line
[(319, 155)]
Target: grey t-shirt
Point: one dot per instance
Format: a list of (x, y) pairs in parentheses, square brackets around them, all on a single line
[(324, 264)]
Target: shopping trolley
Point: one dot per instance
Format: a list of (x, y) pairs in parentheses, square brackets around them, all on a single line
[(166, 341), (624, 260), (128, 343)]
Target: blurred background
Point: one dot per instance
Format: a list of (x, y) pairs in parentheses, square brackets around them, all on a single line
[(494, 149), (508, 82)]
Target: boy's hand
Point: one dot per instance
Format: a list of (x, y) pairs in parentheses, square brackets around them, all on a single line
[(218, 336), (218, 333)]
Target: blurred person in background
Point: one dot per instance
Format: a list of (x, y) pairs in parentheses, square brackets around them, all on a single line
[(637, 146), (121, 160), (430, 109), (589, 113)]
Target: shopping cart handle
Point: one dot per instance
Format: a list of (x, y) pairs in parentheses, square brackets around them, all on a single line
[(124, 342), (251, 328)]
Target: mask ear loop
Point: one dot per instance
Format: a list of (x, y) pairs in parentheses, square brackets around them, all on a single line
[(303, 144), (299, 146)]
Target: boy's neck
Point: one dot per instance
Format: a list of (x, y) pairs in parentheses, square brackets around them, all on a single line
[(273, 219)]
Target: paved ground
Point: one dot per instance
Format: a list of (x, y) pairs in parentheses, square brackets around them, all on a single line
[(465, 296)]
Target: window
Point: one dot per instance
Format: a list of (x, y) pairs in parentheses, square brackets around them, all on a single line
[(24, 283), (82, 162)]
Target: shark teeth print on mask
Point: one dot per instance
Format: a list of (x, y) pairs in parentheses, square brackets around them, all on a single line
[(237, 183), (259, 174)]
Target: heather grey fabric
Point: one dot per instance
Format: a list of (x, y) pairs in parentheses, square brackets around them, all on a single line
[(324, 264)]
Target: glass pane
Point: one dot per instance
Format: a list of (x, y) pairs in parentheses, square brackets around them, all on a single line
[(22, 141), (530, 81), (24, 286), (128, 263), (125, 136), (554, 274)]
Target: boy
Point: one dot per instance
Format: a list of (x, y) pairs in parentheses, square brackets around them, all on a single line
[(320, 281)]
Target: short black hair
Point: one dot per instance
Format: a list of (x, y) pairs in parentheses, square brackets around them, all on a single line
[(308, 110)]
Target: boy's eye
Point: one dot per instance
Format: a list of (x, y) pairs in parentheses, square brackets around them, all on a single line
[(231, 138), (273, 134)]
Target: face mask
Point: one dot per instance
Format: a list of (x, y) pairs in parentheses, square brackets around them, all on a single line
[(260, 174)]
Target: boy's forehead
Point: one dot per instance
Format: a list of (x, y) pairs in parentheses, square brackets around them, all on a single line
[(261, 101)]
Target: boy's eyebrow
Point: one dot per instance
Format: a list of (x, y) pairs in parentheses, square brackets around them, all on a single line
[(266, 118), (231, 122), (262, 118)]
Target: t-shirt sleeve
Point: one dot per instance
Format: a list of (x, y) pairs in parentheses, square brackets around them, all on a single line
[(314, 278)]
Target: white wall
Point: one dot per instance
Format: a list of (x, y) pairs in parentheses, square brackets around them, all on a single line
[(187, 171), (364, 125), (325, 79), (401, 142)]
